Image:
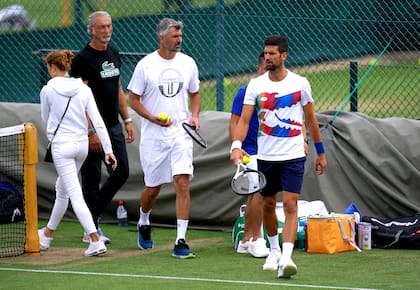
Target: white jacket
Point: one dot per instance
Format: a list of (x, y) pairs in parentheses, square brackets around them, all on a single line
[(54, 97)]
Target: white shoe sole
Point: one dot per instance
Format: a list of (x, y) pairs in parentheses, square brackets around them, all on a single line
[(287, 271), (269, 268), (43, 248), (96, 253)]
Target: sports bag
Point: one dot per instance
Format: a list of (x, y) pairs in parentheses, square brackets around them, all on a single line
[(11, 204), (395, 233), (331, 234)]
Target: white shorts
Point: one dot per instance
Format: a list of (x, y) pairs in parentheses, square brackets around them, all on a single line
[(162, 159)]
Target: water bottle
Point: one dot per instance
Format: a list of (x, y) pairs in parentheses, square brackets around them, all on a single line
[(122, 214)]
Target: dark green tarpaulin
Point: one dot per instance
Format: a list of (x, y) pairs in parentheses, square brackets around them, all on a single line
[(373, 163)]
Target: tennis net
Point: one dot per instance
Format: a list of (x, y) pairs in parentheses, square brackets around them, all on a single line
[(18, 204)]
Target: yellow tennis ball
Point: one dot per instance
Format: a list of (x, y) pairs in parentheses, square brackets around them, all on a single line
[(246, 159), (163, 116)]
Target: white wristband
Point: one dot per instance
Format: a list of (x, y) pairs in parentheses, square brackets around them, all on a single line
[(128, 120), (235, 145)]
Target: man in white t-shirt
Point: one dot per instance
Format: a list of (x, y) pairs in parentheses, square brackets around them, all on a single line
[(167, 81), (283, 100)]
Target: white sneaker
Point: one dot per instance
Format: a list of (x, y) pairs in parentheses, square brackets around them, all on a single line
[(44, 241), (272, 261), (96, 248), (287, 269), (242, 247), (258, 248)]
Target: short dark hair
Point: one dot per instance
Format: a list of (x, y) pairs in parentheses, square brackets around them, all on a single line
[(278, 40), (261, 58)]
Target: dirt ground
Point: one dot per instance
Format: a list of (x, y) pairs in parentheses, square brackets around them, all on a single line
[(74, 256)]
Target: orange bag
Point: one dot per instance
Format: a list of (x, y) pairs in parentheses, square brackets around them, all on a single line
[(332, 234)]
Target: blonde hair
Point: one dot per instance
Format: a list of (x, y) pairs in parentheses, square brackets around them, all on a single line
[(61, 58)]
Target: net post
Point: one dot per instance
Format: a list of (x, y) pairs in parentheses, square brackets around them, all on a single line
[(31, 205)]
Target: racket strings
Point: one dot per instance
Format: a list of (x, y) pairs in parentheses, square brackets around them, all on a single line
[(248, 183), (195, 135)]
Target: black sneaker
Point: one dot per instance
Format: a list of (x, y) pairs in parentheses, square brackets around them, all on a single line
[(181, 250), (144, 240)]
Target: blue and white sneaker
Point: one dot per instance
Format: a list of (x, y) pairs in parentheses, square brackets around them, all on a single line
[(144, 240), (181, 250), (103, 238), (86, 238)]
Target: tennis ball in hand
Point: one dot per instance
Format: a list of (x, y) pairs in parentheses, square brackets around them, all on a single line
[(163, 116), (246, 159)]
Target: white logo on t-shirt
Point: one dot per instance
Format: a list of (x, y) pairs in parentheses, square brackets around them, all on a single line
[(109, 70)]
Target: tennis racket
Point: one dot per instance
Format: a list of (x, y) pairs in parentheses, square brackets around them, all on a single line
[(192, 131), (247, 181)]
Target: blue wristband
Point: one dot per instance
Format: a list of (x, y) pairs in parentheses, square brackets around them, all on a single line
[(319, 146)]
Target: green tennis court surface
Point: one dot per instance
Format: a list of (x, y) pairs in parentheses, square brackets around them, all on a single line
[(217, 265)]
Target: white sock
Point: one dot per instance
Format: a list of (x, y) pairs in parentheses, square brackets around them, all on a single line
[(287, 250), (144, 218), (181, 229), (274, 243)]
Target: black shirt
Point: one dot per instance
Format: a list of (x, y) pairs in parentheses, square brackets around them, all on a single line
[(102, 71)]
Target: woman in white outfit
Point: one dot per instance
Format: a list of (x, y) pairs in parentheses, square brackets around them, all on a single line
[(70, 144)]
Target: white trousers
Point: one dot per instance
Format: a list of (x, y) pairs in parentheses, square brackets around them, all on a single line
[(68, 159)]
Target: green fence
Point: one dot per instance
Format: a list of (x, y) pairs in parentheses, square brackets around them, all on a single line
[(332, 43)]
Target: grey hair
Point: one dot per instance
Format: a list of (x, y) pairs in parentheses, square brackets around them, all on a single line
[(92, 17), (166, 23)]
